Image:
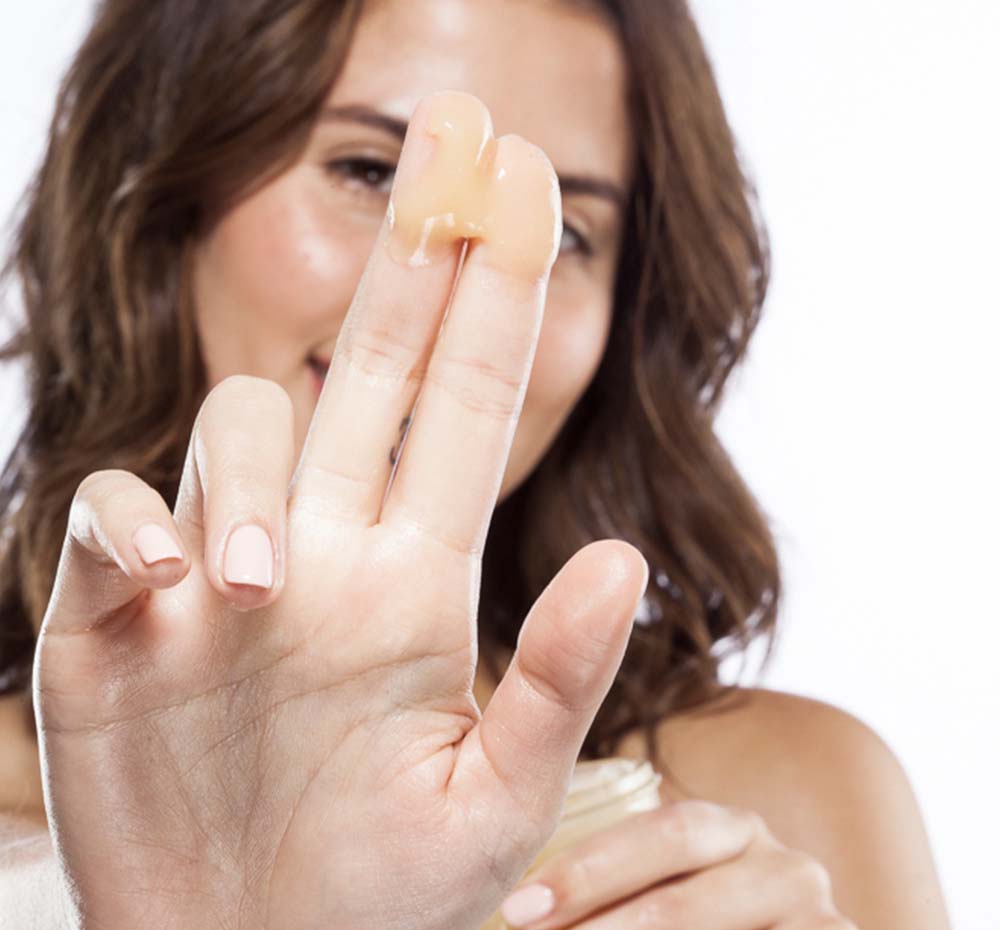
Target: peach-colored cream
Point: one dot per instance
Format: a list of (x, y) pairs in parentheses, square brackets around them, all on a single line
[(503, 192)]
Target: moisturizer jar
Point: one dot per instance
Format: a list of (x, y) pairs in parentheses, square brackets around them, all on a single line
[(602, 792)]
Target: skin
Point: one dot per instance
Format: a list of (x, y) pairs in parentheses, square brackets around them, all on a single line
[(274, 281)]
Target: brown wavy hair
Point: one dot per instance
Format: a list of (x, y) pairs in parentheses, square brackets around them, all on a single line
[(171, 112)]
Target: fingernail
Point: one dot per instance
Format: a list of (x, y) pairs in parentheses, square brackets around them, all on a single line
[(527, 904), (249, 557), (154, 544)]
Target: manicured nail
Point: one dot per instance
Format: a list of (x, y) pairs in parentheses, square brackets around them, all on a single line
[(249, 557), (527, 904), (154, 544)]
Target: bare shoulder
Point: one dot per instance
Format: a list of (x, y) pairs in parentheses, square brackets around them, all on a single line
[(752, 739), (825, 782)]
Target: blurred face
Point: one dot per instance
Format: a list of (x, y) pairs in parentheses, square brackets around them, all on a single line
[(275, 278)]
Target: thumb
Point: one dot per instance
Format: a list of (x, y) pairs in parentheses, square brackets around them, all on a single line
[(568, 652)]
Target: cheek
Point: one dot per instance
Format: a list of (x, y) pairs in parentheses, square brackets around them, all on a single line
[(570, 346), (275, 278)]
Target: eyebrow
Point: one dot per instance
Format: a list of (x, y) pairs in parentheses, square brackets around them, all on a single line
[(568, 183)]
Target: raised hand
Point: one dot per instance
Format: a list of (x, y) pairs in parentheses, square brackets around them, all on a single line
[(282, 734)]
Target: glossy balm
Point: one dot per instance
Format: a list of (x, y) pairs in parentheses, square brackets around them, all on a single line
[(472, 186)]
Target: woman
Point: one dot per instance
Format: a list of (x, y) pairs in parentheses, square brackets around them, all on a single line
[(216, 180)]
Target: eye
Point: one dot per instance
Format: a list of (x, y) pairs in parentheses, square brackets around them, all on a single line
[(583, 246), (372, 175)]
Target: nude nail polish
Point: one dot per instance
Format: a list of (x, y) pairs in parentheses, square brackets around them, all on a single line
[(154, 544), (528, 904), (249, 557)]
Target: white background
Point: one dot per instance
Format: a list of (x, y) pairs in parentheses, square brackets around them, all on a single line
[(864, 418)]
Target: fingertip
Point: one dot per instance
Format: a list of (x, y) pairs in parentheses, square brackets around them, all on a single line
[(626, 562)]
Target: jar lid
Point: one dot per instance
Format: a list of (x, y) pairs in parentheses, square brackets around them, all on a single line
[(599, 782)]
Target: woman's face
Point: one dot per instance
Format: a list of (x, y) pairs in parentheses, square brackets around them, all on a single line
[(275, 277)]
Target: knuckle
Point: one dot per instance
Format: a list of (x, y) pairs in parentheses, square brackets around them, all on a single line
[(668, 906), (479, 385), (578, 878), (383, 352), (809, 875), (551, 682), (684, 820), (582, 650), (754, 821), (569, 662)]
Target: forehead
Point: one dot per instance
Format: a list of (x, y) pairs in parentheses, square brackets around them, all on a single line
[(549, 70)]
